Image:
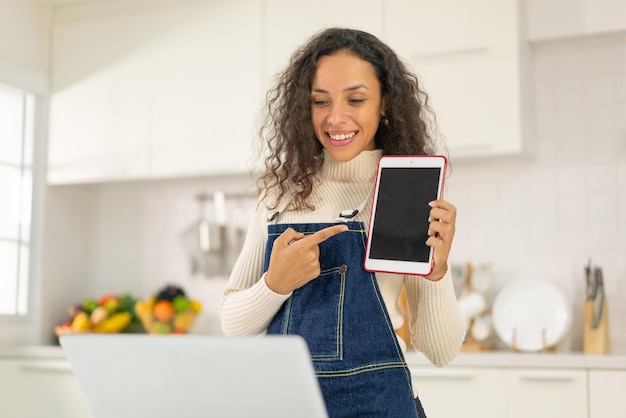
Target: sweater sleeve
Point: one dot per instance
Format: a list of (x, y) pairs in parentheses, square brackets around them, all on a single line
[(247, 305), (436, 326)]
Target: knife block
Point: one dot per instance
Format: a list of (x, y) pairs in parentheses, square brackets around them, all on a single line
[(596, 340)]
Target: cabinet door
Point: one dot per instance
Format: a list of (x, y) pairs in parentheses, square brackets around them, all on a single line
[(101, 103), (289, 23), (542, 393), (36, 388), (606, 391), (550, 19), (207, 96), (470, 60), (460, 392), (477, 102), (144, 91), (418, 28)]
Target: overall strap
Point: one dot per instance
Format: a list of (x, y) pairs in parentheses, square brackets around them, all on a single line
[(344, 215), (348, 214), (289, 194)]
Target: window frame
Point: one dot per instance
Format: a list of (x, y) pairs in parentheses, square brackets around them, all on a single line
[(20, 329)]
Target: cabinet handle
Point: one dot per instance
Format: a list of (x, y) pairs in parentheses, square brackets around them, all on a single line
[(46, 367), (539, 378), (472, 147), (62, 175), (443, 376), (456, 52)]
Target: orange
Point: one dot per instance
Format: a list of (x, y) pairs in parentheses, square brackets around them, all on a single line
[(163, 310)]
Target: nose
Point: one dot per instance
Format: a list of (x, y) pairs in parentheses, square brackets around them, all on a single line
[(337, 114)]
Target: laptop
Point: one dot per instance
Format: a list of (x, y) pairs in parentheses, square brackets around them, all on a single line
[(188, 376)]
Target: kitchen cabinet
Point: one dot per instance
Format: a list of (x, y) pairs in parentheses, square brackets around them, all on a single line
[(100, 107), (606, 391), (207, 88), (553, 19), (541, 393), (460, 392), (35, 388), (144, 91), (501, 392), (473, 62), (287, 27)]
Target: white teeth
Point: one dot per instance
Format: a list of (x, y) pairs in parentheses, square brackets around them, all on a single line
[(342, 137)]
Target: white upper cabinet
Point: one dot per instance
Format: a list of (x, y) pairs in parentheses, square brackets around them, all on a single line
[(550, 19), (144, 91), (423, 28), (472, 61), (101, 101), (167, 88), (207, 88), (288, 24)]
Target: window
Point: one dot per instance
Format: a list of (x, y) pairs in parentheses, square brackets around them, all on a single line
[(16, 186)]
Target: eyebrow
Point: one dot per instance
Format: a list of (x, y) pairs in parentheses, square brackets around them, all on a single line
[(347, 89)]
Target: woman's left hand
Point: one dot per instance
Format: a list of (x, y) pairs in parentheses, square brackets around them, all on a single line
[(440, 234)]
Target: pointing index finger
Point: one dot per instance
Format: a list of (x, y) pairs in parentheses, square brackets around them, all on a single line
[(323, 234)]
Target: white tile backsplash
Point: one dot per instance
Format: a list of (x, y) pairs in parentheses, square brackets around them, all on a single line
[(529, 217), (574, 201)]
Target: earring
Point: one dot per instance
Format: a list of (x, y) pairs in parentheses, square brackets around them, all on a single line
[(384, 120)]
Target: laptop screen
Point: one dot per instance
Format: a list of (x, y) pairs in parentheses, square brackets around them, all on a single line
[(187, 376)]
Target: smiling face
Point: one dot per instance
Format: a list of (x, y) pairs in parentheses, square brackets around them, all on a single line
[(346, 105)]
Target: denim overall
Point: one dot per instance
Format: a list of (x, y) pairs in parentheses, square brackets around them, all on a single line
[(342, 316)]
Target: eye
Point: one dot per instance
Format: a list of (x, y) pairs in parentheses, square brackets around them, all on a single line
[(319, 102), (356, 101)]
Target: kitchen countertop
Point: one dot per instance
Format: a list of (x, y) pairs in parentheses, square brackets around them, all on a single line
[(48, 352), (506, 359), (502, 359)]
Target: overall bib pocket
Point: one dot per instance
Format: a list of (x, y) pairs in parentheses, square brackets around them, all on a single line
[(321, 326)]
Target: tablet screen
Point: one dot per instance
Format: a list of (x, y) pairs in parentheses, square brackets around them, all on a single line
[(400, 228)]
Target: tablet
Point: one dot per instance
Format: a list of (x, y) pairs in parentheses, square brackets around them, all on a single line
[(399, 224)]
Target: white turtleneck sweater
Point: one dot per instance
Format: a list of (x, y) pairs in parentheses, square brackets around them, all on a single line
[(248, 305)]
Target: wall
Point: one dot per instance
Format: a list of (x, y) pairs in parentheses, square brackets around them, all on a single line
[(536, 217), (546, 216), (137, 237)]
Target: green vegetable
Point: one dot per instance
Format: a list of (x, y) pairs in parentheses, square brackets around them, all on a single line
[(127, 304), (112, 305), (90, 305), (181, 304)]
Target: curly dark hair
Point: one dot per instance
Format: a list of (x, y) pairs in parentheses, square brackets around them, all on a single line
[(294, 154)]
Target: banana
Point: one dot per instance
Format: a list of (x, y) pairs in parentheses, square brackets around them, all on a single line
[(81, 323), (116, 323), (143, 309)]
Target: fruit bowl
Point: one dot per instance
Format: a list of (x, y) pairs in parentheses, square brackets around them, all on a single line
[(110, 313), (170, 311)]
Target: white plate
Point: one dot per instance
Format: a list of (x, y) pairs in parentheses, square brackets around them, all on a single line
[(526, 310)]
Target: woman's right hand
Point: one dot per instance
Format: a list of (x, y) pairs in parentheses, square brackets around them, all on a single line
[(295, 258)]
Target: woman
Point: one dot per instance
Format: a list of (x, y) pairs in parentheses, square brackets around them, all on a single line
[(345, 100)]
